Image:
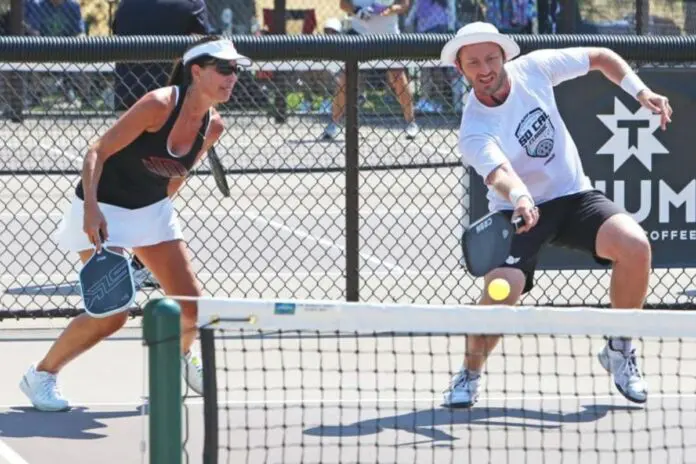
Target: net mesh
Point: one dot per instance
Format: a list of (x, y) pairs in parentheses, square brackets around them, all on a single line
[(341, 382)]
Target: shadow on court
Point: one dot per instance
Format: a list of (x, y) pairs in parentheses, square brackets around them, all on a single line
[(77, 424), (423, 422)]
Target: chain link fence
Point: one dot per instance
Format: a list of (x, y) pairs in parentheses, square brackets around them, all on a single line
[(283, 232)]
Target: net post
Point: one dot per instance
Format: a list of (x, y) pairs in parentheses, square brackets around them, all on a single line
[(162, 334), (210, 401), (352, 183)]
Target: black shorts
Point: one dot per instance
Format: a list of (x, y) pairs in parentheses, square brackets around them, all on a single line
[(571, 221)]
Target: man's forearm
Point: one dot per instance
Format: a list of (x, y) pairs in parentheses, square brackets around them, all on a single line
[(507, 183), (616, 69)]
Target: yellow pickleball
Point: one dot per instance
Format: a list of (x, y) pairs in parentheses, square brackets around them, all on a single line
[(499, 289)]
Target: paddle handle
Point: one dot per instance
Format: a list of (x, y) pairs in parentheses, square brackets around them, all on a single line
[(518, 222)]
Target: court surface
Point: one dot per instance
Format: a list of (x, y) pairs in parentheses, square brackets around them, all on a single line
[(396, 417)]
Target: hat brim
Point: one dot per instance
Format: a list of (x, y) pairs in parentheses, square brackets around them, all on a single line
[(451, 48), (229, 55)]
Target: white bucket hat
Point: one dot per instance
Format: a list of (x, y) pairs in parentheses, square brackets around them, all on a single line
[(478, 32), (222, 49)]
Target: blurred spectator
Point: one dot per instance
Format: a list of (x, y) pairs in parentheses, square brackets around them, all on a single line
[(323, 80), (54, 17), (512, 16), (153, 17), (375, 17), (432, 17)]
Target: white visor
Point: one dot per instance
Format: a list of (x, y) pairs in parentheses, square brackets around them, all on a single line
[(222, 49)]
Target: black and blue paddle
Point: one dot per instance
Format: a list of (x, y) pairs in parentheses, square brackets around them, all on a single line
[(106, 284), (486, 243)]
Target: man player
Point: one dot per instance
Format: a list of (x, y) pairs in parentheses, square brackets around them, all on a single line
[(513, 135)]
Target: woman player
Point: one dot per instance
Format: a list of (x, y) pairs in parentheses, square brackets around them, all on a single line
[(128, 178)]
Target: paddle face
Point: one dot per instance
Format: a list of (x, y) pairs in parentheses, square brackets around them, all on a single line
[(106, 284), (486, 243)]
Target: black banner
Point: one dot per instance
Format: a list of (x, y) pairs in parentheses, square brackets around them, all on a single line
[(625, 154)]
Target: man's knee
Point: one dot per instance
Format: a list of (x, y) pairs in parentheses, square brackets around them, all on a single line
[(622, 240), (515, 277)]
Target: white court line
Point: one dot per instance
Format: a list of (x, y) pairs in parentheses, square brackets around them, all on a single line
[(10, 456), (369, 257), (425, 399), (259, 216), (240, 213)]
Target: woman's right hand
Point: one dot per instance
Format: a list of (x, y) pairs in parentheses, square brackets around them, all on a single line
[(95, 225)]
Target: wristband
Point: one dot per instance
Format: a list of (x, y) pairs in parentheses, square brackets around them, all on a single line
[(517, 193), (632, 84)]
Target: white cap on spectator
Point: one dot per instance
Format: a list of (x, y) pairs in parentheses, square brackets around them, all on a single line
[(222, 49), (474, 33), (333, 24)]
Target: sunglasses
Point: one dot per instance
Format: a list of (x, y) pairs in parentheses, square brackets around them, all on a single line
[(224, 67)]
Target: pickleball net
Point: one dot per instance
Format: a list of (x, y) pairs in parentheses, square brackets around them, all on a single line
[(331, 381)]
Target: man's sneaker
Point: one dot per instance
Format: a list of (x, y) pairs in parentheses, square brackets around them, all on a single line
[(331, 131), (463, 391), (142, 277), (627, 377), (42, 390), (412, 130), (192, 370)]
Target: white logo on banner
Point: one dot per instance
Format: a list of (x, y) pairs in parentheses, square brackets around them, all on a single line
[(632, 135)]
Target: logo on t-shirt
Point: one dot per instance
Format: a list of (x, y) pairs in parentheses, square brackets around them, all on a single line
[(535, 133), (164, 167)]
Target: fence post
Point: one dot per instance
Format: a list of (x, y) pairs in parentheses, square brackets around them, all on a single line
[(642, 17), (279, 27), (352, 184), (15, 88), (568, 19), (162, 333)]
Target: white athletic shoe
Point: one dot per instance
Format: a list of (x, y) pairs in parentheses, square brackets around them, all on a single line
[(412, 130), (627, 377), (331, 131), (463, 391), (192, 370), (42, 390)]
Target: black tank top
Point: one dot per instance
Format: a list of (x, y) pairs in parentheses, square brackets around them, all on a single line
[(138, 174)]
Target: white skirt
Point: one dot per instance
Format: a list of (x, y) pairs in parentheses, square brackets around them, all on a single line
[(128, 228)]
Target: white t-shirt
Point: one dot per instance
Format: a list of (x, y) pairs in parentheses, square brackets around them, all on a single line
[(376, 24), (527, 129)]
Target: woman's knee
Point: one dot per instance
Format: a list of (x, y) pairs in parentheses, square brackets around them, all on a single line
[(189, 309)]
